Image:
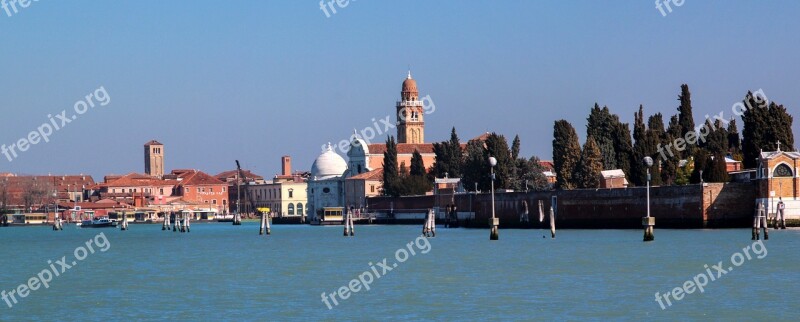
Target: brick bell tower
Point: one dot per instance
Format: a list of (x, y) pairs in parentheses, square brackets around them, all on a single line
[(410, 121), (154, 159)]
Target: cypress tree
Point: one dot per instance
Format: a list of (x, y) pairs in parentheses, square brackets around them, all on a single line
[(566, 154), (497, 146), (391, 178), (685, 118), (638, 175), (476, 166), (601, 126), (590, 166), (734, 141)]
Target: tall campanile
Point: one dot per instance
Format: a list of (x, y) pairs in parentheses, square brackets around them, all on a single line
[(410, 122)]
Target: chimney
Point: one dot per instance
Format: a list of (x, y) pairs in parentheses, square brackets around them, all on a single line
[(286, 165)]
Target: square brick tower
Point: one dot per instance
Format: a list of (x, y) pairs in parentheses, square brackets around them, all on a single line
[(154, 159)]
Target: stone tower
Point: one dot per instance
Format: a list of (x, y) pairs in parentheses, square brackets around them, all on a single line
[(410, 121), (154, 159)]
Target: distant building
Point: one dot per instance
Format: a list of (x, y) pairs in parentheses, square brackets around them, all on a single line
[(286, 195), (778, 176), (613, 179), (154, 159), (326, 183)]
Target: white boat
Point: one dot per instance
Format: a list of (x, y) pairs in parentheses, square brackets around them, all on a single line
[(98, 222)]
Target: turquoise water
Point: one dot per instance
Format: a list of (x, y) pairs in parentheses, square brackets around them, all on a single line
[(224, 272)]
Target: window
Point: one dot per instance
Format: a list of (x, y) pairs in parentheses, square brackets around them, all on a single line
[(187, 190), (300, 208), (223, 189), (782, 170), (326, 190), (161, 191), (210, 189), (198, 189), (291, 193), (291, 209), (372, 189), (214, 201)]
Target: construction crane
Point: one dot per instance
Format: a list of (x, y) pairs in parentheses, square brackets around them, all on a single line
[(262, 215)]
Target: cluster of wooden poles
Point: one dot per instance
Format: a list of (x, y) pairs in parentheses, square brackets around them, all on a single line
[(58, 224), (349, 226), (182, 223)]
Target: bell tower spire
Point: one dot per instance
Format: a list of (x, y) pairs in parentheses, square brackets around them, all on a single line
[(410, 120)]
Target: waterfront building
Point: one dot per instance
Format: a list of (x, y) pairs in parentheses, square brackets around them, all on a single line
[(326, 182), (778, 177), (286, 195)]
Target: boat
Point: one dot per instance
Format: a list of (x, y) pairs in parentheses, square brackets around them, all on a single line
[(98, 222)]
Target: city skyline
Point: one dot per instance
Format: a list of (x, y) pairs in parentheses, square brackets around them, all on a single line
[(284, 79)]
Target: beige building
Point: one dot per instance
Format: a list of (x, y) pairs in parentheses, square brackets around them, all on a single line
[(286, 195)]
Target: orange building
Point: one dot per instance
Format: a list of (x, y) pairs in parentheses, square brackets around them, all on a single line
[(199, 187)]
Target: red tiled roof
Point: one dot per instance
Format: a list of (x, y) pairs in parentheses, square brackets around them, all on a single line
[(372, 175), (200, 178), (402, 148), (139, 180), (152, 142), (547, 164)]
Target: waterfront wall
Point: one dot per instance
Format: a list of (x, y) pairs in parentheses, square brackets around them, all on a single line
[(693, 206)]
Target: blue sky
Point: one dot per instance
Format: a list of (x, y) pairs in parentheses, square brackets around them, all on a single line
[(253, 80)]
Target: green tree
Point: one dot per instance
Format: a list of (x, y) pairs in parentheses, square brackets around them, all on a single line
[(449, 157), (685, 118), (701, 159), (718, 169), (734, 141), (476, 166), (623, 146), (532, 174), (601, 125), (590, 165), (638, 176), (391, 178), (497, 146), (764, 126), (566, 154)]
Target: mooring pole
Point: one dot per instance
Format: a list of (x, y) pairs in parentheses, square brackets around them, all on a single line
[(552, 223), (494, 222), (648, 222)]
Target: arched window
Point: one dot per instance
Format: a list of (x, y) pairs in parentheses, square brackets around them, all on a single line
[(782, 170), (291, 209), (300, 208)]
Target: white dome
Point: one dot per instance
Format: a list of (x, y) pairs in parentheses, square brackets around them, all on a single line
[(328, 165)]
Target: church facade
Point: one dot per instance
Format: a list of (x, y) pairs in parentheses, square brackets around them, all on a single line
[(335, 182), (778, 179)]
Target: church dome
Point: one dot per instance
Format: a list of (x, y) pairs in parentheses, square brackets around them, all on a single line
[(328, 165), (409, 85)]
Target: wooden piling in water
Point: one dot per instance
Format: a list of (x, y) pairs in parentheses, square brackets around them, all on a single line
[(759, 221), (188, 223), (552, 223), (541, 211), (346, 223), (523, 217)]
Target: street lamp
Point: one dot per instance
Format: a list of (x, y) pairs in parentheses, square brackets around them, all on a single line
[(648, 222), (494, 222)]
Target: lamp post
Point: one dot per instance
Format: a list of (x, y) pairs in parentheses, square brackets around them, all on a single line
[(494, 222), (648, 222)]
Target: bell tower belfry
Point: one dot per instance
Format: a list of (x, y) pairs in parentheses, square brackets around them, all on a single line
[(410, 119)]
